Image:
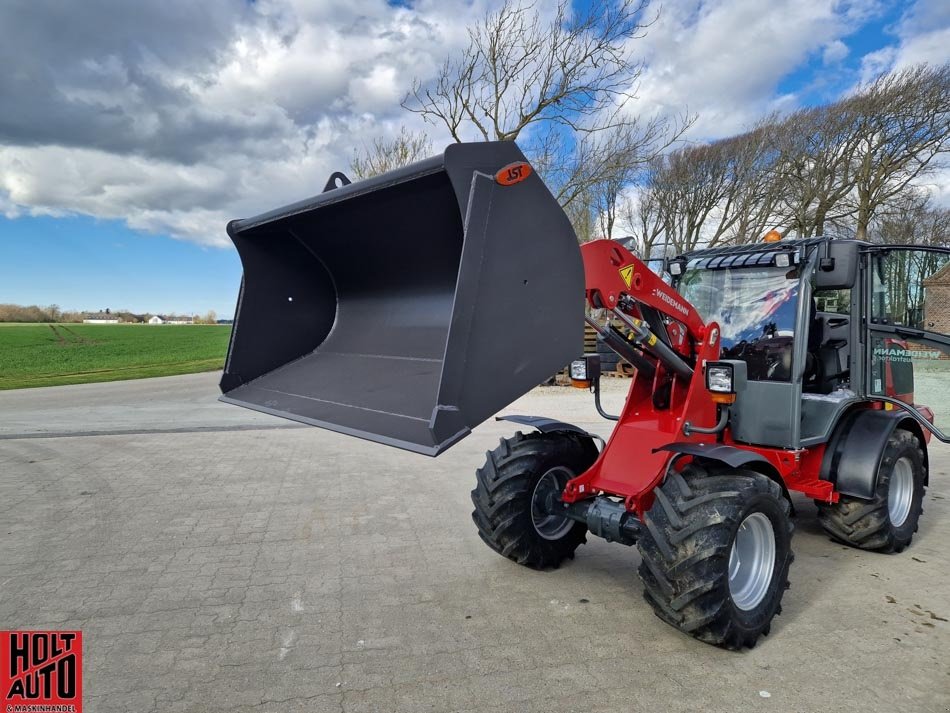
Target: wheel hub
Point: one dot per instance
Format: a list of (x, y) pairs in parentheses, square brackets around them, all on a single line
[(548, 489), (900, 492), (752, 561)]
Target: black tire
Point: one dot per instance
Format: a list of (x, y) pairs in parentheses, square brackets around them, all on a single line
[(505, 489), (686, 546), (867, 524)]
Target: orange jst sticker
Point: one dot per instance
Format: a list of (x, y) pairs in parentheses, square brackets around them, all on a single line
[(513, 173)]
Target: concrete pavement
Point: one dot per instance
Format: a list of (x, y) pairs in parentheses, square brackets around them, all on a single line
[(168, 404), (213, 566)]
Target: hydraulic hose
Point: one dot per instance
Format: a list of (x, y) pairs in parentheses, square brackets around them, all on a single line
[(689, 429), (613, 339), (598, 405), (643, 335)]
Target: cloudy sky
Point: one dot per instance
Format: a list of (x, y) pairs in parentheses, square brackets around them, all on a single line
[(131, 132)]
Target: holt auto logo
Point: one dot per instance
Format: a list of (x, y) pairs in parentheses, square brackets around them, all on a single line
[(41, 671)]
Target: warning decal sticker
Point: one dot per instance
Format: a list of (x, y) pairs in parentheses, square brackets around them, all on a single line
[(626, 274)]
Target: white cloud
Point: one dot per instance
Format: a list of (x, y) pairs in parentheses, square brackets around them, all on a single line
[(184, 115), (923, 35), (724, 59), (834, 52), (937, 185), (180, 142)]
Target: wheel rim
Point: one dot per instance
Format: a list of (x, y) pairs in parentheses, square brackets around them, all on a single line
[(752, 561), (551, 484), (900, 491)]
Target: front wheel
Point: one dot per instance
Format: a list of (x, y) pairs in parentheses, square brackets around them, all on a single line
[(888, 521), (716, 552), (518, 477)]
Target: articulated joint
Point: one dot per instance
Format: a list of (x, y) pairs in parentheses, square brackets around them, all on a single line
[(603, 517)]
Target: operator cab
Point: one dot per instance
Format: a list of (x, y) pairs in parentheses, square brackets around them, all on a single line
[(789, 324), (755, 308)]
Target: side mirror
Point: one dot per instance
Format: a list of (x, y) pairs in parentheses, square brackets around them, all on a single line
[(837, 265)]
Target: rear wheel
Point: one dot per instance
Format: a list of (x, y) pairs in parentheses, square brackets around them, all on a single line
[(887, 522), (716, 552), (518, 477)]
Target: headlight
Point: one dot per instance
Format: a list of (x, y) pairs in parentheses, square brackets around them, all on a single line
[(719, 378), (579, 370), (585, 371)]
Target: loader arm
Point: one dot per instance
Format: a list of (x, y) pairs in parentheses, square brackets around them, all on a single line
[(611, 271), (666, 404), (618, 281)]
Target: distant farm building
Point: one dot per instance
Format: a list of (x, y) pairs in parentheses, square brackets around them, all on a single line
[(100, 321), (168, 319)]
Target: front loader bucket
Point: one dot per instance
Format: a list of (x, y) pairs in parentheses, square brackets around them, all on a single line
[(407, 308)]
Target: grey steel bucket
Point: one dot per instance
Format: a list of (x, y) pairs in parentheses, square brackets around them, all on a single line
[(409, 307)]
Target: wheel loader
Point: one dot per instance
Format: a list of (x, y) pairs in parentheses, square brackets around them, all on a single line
[(408, 308)]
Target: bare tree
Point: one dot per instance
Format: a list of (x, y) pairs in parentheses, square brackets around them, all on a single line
[(609, 162), (30, 313), (597, 168), (727, 191), (744, 169), (690, 186), (520, 69), (583, 217), (903, 126), (912, 219), (753, 189), (387, 154), (558, 82), (822, 170), (640, 213), (816, 148), (841, 164)]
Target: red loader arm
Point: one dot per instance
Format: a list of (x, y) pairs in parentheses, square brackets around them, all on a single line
[(660, 401), (611, 271)]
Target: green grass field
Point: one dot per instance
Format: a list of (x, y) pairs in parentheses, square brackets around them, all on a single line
[(50, 355)]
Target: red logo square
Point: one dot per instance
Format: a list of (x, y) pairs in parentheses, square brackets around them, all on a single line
[(41, 671)]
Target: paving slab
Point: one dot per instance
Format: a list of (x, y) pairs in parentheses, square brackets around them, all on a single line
[(214, 565)]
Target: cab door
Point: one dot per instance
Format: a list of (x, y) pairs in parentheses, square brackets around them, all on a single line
[(907, 332)]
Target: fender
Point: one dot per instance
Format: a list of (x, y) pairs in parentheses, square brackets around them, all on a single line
[(548, 425), (854, 451), (734, 458), (730, 455)]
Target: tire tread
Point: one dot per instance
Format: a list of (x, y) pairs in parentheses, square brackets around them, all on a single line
[(685, 549), (504, 487), (865, 524)]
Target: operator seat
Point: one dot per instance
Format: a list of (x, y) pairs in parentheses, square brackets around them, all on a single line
[(828, 358), (812, 375)]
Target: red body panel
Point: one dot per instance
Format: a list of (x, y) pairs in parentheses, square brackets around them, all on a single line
[(629, 465)]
